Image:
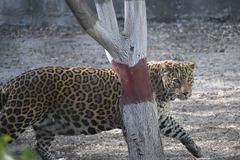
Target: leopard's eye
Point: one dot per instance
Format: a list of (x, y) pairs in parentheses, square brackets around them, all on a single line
[(177, 82)]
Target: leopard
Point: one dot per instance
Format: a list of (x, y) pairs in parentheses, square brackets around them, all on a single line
[(83, 100)]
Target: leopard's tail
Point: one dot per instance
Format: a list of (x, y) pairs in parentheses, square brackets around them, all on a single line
[(3, 98)]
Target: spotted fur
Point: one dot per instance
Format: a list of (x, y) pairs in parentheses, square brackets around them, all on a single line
[(72, 101)]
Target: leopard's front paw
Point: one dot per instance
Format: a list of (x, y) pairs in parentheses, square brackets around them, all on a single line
[(193, 148)]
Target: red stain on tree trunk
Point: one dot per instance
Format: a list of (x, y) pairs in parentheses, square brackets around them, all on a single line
[(135, 82)]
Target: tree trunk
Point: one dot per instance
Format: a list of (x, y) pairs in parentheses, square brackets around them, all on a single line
[(127, 53), (139, 113)]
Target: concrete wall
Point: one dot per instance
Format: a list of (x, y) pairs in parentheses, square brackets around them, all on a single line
[(44, 12)]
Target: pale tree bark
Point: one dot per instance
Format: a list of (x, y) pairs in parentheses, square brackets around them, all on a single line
[(127, 53)]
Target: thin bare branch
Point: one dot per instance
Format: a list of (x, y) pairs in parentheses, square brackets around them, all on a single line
[(107, 15), (86, 17), (88, 20)]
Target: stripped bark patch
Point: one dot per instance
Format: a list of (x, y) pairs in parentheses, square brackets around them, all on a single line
[(134, 82)]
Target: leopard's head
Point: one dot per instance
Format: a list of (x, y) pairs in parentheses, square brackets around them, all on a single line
[(174, 79), (177, 79)]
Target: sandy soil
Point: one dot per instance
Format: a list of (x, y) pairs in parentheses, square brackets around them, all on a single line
[(212, 114)]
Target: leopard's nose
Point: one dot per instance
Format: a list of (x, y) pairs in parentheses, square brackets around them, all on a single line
[(186, 94)]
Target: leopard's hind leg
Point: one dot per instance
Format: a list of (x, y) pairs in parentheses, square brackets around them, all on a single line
[(44, 137), (170, 128)]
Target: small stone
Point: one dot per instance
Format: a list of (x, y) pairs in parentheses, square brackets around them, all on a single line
[(222, 50)]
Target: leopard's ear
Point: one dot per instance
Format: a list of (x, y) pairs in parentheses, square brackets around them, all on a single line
[(165, 78), (165, 75), (191, 65)]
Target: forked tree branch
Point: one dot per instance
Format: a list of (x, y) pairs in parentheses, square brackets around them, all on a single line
[(107, 17), (102, 34)]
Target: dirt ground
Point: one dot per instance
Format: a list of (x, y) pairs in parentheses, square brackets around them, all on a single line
[(211, 115)]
